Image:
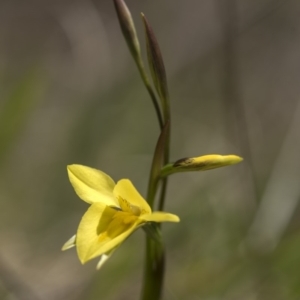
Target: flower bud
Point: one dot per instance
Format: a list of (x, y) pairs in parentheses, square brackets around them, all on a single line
[(156, 66), (200, 163), (128, 28)]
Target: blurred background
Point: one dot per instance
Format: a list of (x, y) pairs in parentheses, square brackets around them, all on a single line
[(70, 93)]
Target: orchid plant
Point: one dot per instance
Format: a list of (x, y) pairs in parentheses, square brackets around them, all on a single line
[(117, 209)]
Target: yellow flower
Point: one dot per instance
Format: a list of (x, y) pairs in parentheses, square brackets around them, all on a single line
[(116, 211)]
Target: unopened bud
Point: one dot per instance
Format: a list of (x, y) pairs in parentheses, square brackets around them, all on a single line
[(128, 28), (201, 163), (156, 66)]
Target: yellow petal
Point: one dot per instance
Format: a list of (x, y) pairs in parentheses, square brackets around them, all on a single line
[(89, 227), (159, 216), (69, 243), (100, 248), (101, 229), (92, 185), (126, 190)]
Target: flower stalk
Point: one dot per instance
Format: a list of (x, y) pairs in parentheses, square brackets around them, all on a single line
[(155, 259), (116, 208), (159, 77)]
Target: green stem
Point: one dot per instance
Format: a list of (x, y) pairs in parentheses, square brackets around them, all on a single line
[(154, 261), (148, 86), (167, 170), (163, 191), (155, 257), (154, 270)]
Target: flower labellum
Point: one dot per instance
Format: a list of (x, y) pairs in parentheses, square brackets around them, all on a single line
[(116, 211)]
